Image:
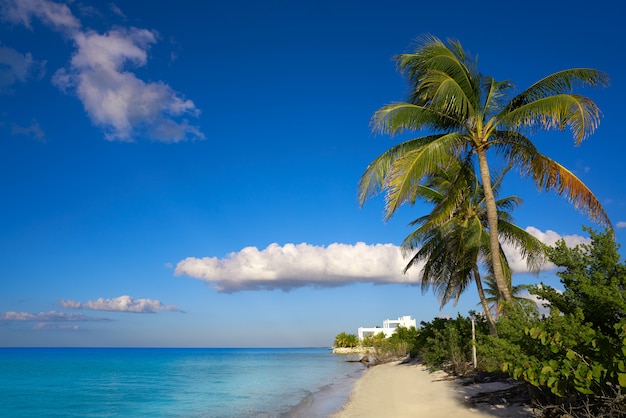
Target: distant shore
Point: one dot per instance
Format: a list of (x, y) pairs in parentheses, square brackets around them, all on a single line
[(403, 390)]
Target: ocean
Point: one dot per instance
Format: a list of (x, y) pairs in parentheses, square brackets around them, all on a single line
[(174, 382)]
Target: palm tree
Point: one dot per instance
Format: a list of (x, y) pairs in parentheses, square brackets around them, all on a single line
[(453, 240), (494, 297), (343, 339), (466, 114)]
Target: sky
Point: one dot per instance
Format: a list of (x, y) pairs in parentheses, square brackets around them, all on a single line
[(184, 174)]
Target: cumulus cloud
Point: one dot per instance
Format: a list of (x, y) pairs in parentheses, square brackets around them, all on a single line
[(621, 224), (549, 237), (120, 304), (99, 74), (297, 265)]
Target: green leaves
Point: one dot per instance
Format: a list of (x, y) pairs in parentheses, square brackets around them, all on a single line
[(464, 113), (343, 339), (578, 353)]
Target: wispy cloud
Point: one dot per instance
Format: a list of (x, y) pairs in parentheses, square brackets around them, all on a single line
[(56, 327), (56, 15), (51, 316), (99, 74), (299, 265), (16, 67), (120, 304), (32, 131)]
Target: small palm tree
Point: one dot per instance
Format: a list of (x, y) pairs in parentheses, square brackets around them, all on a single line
[(465, 114), (494, 298), (453, 240), (343, 339)]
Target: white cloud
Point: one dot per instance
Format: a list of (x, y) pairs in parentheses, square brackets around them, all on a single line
[(114, 97), (51, 316), (120, 304), (56, 15), (298, 265), (549, 237), (620, 224)]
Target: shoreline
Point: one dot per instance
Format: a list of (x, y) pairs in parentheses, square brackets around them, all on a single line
[(405, 390)]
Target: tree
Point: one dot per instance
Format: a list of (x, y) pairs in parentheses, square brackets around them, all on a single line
[(466, 114), (494, 297), (343, 339), (453, 240)]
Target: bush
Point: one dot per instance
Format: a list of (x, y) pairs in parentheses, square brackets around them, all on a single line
[(575, 357), (447, 343)]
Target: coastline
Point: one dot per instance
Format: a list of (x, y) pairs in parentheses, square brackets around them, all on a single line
[(404, 390)]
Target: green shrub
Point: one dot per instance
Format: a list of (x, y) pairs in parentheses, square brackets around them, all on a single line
[(447, 343), (575, 357)]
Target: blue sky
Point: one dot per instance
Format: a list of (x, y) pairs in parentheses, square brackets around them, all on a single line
[(185, 174)]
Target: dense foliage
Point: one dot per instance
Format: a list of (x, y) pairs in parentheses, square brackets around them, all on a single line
[(574, 357), (460, 113), (343, 340), (447, 343)]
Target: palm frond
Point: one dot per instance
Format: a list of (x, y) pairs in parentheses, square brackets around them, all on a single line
[(399, 117), (529, 247), (558, 83), (412, 167), (439, 90), (433, 56), (495, 95), (373, 179), (549, 175), (508, 204), (578, 113)]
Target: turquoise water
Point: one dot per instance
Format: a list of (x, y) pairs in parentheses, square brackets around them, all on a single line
[(154, 382)]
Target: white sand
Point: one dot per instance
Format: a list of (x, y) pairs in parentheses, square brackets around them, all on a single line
[(409, 390)]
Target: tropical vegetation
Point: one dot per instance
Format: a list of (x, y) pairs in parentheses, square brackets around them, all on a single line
[(453, 240), (575, 356), (572, 359), (572, 356), (345, 340), (464, 114)]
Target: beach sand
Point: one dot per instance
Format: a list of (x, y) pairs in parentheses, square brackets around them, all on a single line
[(409, 390)]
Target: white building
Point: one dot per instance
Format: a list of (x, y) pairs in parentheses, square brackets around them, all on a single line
[(389, 327)]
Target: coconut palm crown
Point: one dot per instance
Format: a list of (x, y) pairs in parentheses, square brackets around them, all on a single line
[(464, 114), (452, 241)]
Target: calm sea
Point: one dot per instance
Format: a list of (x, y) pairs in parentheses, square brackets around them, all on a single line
[(171, 382)]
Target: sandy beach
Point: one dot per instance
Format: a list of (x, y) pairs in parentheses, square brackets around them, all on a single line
[(409, 390)]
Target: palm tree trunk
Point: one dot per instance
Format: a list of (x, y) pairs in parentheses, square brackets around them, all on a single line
[(492, 219), (483, 301)]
